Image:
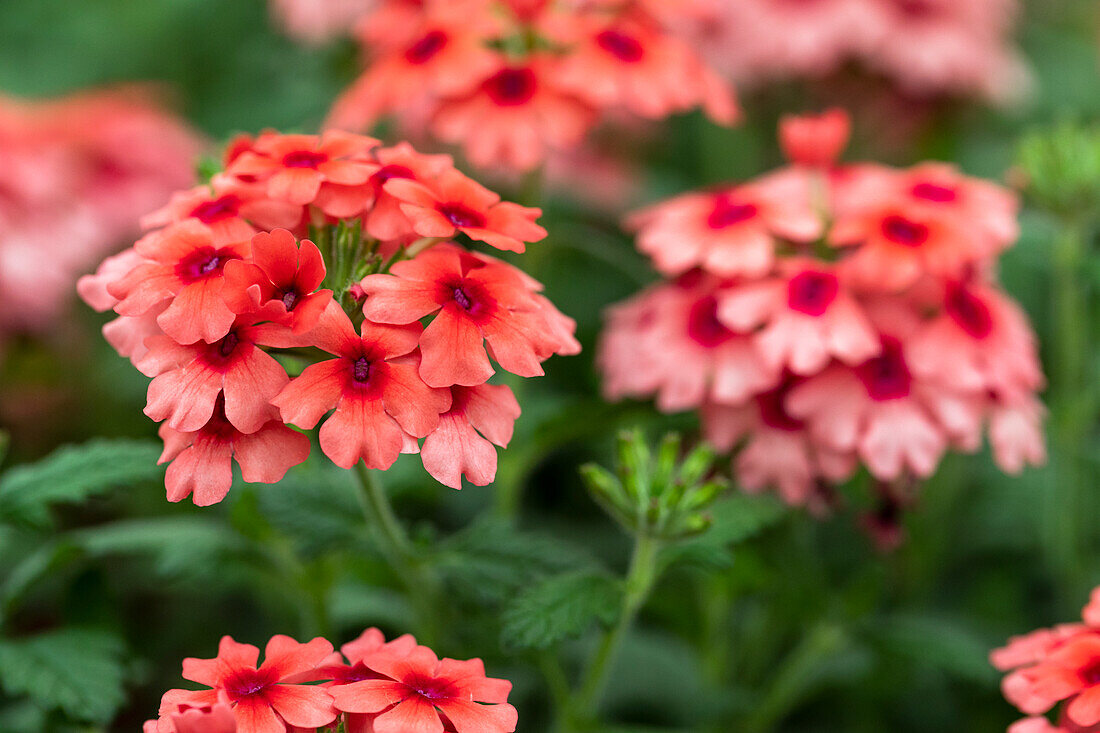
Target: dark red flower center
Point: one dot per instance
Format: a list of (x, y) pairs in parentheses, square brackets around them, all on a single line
[(1090, 673), (703, 324), (463, 299), (934, 192), (462, 216), (916, 8), (424, 49), (355, 673), (387, 172), (620, 45), (202, 263), (512, 87), (209, 212), (887, 376), (812, 292), (304, 159), (728, 212), (228, 344), (290, 299), (903, 231), (968, 311), (431, 688), (244, 683), (773, 413), (360, 370)]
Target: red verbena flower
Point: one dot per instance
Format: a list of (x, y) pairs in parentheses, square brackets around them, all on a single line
[(382, 405), (480, 417)]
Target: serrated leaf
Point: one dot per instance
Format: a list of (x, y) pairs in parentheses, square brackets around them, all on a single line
[(944, 644), (560, 607), (491, 560), (79, 671), (317, 509), (73, 473)]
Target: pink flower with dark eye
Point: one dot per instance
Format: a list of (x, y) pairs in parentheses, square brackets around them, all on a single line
[(453, 202), (184, 268), (262, 700), (381, 403), (480, 417)]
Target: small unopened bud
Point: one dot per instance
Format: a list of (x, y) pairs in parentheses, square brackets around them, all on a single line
[(815, 141)]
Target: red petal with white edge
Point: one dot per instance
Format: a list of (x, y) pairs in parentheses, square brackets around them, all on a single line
[(470, 717), (368, 696), (254, 715), (492, 410), (266, 455), (314, 392), (203, 470), (452, 352), (414, 715), (287, 656), (249, 385), (304, 706), (455, 449), (361, 429)]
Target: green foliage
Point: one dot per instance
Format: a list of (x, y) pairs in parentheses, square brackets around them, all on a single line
[(944, 644), (560, 607), (491, 560), (74, 473), (316, 508), (1061, 165), (78, 671)]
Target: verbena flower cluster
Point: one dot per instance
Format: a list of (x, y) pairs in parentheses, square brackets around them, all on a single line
[(1052, 666), (821, 317), (512, 80), (369, 686), (387, 323), (77, 174), (926, 47)]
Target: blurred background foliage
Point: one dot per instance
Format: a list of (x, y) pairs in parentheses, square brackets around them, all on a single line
[(804, 628)]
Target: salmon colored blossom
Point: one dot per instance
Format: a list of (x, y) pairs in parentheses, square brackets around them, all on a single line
[(262, 700), (480, 417), (815, 141), (381, 404), (214, 718)]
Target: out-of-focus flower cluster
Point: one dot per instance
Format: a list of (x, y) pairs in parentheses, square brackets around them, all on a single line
[(822, 316), (77, 175), (316, 21), (369, 686), (1051, 666), (514, 80), (927, 47), (384, 320)]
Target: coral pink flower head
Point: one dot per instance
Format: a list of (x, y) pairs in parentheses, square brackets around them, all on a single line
[(281, 283), (384, 219), (478, 300), (453, 202), (1029, 648), (295, 166), (381, 402), (201, 461), (232, 210), (262, 701), (514, 117), (815, 141), (1068, 671), (808, 318), (419, 691), (214, 718), (729, 233), (186, 266), (188, 379), (480, 417)]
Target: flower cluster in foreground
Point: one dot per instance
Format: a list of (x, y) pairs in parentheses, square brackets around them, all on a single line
[(1051, 666), (927, 47), (387, 323), (77, 174), (513, 80), (821, 317), (369, 686)]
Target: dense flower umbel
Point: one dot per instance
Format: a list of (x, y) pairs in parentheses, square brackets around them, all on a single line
[(514, 82), (227, 282), (370, 686), (1049, 666), (827, 316)]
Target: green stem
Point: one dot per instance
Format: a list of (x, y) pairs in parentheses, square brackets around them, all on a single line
[(640, 579), (399, 551)]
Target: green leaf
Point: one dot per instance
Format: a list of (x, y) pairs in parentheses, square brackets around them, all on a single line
[(177, 545), (560, 607), (318, 509), (79, 671), (491, 560), (73, 473), (941, 643), (739, 517)]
